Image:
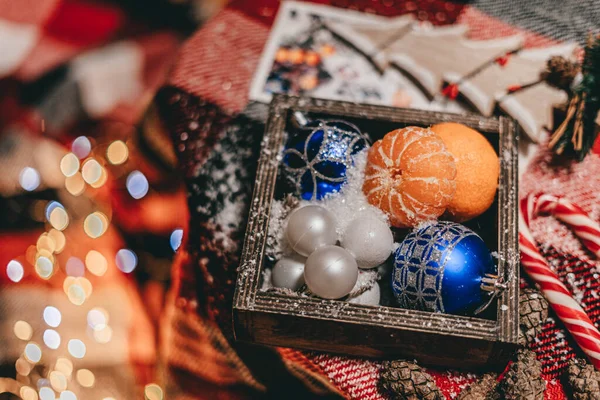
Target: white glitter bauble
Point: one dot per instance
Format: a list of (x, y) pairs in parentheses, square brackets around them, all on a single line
[(309, 228), (369, 240), (288, 273), (369, 297), (330, 272)]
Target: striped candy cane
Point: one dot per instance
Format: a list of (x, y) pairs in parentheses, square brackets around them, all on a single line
[(560, 299)]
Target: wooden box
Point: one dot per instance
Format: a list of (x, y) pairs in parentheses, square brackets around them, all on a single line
[(378, 331)]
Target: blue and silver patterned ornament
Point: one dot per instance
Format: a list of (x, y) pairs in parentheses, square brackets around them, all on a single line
[(317, 157), (444, 267)]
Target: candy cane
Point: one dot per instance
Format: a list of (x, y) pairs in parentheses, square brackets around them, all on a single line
[(560, 299)]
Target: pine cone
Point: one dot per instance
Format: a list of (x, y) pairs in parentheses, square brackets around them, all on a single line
[(407, 381), (523, 380), (583, 380), (482, 389), (533, 312), (560, 73)]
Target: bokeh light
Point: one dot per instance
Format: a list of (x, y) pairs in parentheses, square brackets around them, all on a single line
[(97, 318), (32, 352), (68, 395), (23, 330), (76, 294), (29, 179), (58, 218), (176, 238), (137, 185), (101, 181), (50, 207), (23, 367), (51, 339), (14, 271), (126, 260), (76, 348), (91, 171), (59, 240), (58, 381), (64, 365), (96, 263), (103, 335), (46, 393), (153, 392), (52, 316), (95, 224), (75, 184), (44, 267), (117, 152), (45, 242), (81, 147), (86, 378), (69, 164), (75, 267), (28, 393)]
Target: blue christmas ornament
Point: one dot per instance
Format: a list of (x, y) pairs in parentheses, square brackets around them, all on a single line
[(316, 159), (444, 267)]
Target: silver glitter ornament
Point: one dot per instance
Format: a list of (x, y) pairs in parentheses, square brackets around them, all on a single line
[(309, 228), (369, 240), (288, 273), (330, 272)]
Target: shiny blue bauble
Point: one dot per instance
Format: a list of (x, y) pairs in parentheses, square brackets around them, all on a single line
[(316, 158), (440, 267)]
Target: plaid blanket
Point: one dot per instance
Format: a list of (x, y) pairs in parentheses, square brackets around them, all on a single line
[(76, 67)]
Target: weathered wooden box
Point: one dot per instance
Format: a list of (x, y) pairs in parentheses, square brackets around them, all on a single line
[(377, 331)]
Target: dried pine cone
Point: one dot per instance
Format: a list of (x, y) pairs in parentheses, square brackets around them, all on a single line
[(523, 380), (533, 312), (407, 381), (560, 73), (583, 380), (482, 389)]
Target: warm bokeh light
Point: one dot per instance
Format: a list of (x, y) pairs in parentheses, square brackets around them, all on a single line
[(44, 267), (137, 184), (75, 267), (32, 352), (69, 165), (153, 392), (75, 184), (27, 393), (59, 219), (81, 147), (117, 152), (52, 316), (58, 381), (64, 365), (95, 224), (59, 240), (51, 339), (23, 367), (45, 242), (101, 181), (91, 171), (96, 263), (176, 238), (97, 318), (86, 378), (103, 335), (14, 271), (23, 330), (126, 260), (76, 348), (29, 179)]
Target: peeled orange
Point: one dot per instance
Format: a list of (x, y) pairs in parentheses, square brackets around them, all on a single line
[(410, 176)]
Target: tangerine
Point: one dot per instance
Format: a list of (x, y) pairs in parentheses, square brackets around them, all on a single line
[(410, 176)]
